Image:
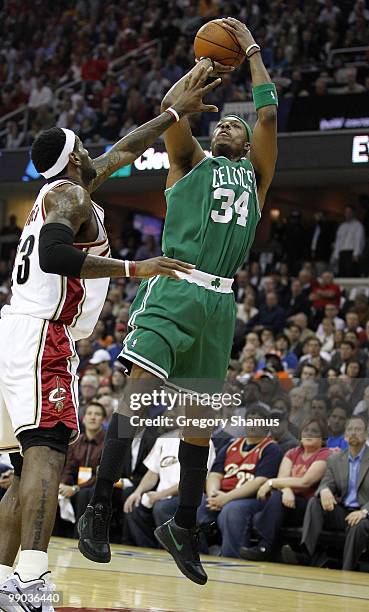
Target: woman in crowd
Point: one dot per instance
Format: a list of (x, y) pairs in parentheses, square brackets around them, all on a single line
[(299, 475)]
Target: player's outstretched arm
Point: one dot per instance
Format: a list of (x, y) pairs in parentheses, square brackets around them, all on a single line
[(129, 148), (68, 209), (184, 151), (263, 152)]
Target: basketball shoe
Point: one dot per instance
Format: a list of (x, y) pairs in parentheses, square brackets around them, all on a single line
[(27, 596), (93, 531), (183, 545)]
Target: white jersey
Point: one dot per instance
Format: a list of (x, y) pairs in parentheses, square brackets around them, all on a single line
[(74, 302)]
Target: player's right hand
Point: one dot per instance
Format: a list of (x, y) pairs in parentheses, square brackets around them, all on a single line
[(218, 68), (190, 100), (163, 266)]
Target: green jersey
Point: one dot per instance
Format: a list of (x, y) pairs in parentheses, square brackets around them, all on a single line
[(212, 214)]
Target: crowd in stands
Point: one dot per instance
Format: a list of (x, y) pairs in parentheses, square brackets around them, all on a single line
[(300, 355), (60, 59)]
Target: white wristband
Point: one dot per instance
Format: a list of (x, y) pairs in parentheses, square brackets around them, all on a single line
[(126, 266), (173, 112), (253, 46)]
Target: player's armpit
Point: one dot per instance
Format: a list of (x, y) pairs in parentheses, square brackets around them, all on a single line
[(263, 153), (68, 204)]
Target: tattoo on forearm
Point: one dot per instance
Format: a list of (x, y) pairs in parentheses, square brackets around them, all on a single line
[(102, 267), (129, 148), (41, 515)]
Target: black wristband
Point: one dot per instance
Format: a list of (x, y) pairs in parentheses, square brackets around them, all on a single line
[(57, 255)]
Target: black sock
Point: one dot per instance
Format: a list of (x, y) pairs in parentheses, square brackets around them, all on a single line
[(193, 460), (117, 443)]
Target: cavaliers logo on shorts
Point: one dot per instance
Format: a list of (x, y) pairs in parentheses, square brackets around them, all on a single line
[(58, 396)]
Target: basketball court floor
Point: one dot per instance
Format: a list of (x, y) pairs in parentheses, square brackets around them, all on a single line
[(147, 580)]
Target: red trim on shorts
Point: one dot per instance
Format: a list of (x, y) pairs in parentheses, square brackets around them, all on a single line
[(74, 296), (56, 380)]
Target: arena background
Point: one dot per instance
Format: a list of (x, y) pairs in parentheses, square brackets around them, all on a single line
[(101, 68)]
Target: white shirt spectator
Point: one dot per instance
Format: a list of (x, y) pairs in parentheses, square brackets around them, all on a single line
[(338, 324), (350, 237), (40, 96), (327, 341), (246, 316), (163, 460), (329, 13)]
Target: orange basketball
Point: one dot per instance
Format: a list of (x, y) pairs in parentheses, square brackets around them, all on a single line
[(214, 41)]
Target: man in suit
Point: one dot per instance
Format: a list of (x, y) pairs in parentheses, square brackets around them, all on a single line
[(322, 237), (342, 499), (134, 470)]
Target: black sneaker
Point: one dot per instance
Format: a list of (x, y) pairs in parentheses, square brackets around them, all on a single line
[(93, 531), (183, 545), (256, 553)]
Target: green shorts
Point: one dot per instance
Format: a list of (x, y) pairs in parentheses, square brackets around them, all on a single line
[(180, 330)]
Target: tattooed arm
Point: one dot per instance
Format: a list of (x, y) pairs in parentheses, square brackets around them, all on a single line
[(129, 148), (68, 210)]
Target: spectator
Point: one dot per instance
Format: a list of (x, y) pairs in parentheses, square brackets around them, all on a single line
[(288, 358), (84, 349), (13, 137), (314, 356), (297, 301), (349, 244), (342, 500), (321, 242), (155, 499), (331, 312), (337, 425), (343, 356), (247, 310), (298, 478), (237, 473), (327, 292), (362, 407), (79, 473), (101, 361), (294, 333), (281, 432), (88, 388), (41, 95), (299, 410), (270, 315), (134, 470), (326, 336)]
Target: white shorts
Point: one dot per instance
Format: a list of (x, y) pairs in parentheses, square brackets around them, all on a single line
[(38, 378)]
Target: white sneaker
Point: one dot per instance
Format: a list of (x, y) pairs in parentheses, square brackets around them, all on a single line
[(28, 596)]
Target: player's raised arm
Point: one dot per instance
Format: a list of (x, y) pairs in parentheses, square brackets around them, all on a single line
[(184, 151), (125, 151), (68, 210), (263, 152)]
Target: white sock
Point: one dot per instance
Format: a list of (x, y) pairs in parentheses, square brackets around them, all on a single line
[(5, 571), (32, 564)]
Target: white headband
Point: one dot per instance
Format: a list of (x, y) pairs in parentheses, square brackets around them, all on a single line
[(61, 162)]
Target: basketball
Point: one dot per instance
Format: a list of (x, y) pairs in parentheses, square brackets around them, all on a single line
[(214, 41)]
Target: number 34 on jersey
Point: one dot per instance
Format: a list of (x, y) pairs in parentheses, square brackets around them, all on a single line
[(229, 205)]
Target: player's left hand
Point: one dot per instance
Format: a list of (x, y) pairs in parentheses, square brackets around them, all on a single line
[(163, 266), (240, 31), (354, 518)]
